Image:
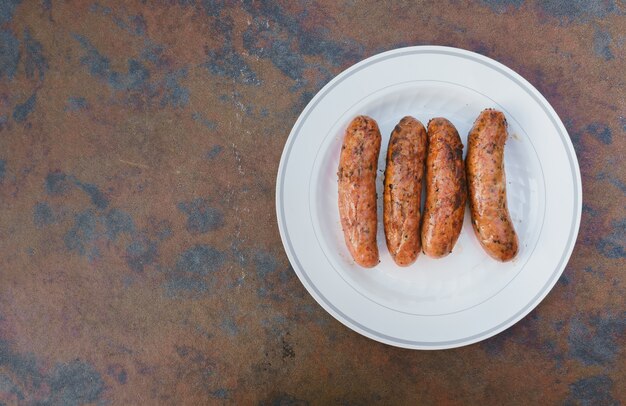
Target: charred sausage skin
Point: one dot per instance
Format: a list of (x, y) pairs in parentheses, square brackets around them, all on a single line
[(487, 186), (403, 190), (358, 165), (446, 189)]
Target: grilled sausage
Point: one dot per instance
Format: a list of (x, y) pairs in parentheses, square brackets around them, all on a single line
[(403, 190), (446, 189), (358, 165), (487, 186)]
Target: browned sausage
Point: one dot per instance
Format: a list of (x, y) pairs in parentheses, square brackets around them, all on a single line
[(358, 165), (487, 186), (403, 190), (446, 189)]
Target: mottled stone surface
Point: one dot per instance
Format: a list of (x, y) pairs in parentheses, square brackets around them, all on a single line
[(140, 258)]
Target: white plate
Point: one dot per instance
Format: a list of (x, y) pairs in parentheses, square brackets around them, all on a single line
[(467, 296)]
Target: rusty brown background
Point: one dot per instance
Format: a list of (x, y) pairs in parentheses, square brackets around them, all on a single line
[(140, 261)]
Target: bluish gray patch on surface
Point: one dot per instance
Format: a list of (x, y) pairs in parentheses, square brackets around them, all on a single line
[(212, 7), (193, 272), (592, 391), (118, 372), (83, 232), (9, 53), (200, 260), (266, 40), (494, 346), (202, 331), (589, 210), (317, 43), (524, 333), (286, 274), (97, 197), (75, 103), (153, 53), (600, 131), (34, 60), (199, 117), (122, 377), (22, 366), (121, 24), (614, 244), (265, 264), (277, 50), (578, 10), (601, 44), (237, 282), (7, 9), (178, 284), (72, 383), (196, 361), (229, 326), (161, 229), (595, 342), (140, 253), (214, 152), (137, 77), (57, 183), (303, 100), (75, 383), (558, 325), (43, 215), (564, 280), (98, 64), (3, 169), (612, 180), (228, 63), (22, 110), (501, 6), (97, 8), (618, 184), (138, 24), (8, 386), (221, 393), (175, 94), (134, 24), (117, 222), (201, 217)]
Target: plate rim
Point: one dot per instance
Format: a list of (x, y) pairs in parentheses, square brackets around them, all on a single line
[(520, 314)]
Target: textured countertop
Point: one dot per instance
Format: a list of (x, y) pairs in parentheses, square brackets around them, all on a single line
[(140, 261)]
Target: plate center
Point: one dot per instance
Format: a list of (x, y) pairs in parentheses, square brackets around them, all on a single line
[(466, 277)]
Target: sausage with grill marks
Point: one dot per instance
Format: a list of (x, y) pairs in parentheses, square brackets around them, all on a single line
[(446, 189), (487, 186), (358, 165), (403, 190)]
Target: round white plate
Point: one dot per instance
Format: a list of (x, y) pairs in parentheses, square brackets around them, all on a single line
[(466, 296)]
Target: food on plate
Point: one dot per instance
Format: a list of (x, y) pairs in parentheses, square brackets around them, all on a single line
[(358, 165), (446, 189), (403, 190), (487, 186)]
